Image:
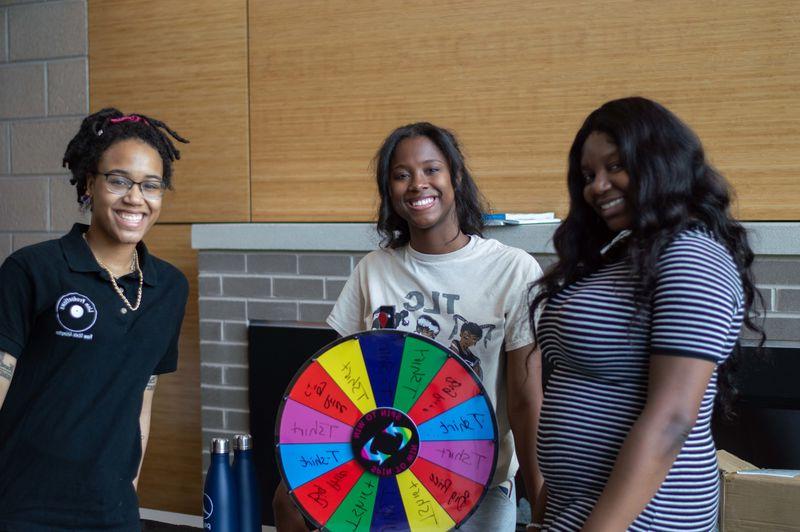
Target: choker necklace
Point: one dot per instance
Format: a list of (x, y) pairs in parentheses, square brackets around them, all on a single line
[(134, 267)]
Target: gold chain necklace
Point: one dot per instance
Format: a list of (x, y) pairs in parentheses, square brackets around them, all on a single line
[(117, 289)]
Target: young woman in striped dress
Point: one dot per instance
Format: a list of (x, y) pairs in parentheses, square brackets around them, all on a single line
[(643, 307)]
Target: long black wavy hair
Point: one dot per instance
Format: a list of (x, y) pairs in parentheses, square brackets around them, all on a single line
[(108, 126), (672, 187), (393, 229)]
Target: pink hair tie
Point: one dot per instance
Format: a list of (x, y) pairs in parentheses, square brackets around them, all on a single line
[(128, 118)]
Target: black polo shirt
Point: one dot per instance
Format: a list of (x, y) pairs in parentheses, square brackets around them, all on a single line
[(70, 442)]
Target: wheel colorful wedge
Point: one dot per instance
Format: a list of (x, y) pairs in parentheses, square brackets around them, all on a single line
[(386, 430)]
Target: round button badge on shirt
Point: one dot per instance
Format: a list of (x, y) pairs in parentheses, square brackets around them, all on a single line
[(75, 312)]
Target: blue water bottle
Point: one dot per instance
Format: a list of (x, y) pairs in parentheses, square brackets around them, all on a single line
[(220, 500), (244, 474)]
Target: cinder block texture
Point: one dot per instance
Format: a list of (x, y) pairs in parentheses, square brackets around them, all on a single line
[(783, 329), (771, 270), (67, 88), (211, 331), (23, 204), (5, 150), (298, 288), (236, 376), (210, 286), (214, 309), (271, 310), (47, 30), (271, 263), (237, 421), (333, 288), (38, 147), (21, 240), (769, 298), (212, 419), (315, 312), (211, 374), (223, 354), (789, 300), (225, 397), (5, 246), (64, 208), (3, 48), (221, 262), (234, 332), (325, 265), (778, 330), (22, 89), (255, 287)]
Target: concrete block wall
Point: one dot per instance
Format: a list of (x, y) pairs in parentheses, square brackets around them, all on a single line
[(778, 279), (43, 97), (238, 287)]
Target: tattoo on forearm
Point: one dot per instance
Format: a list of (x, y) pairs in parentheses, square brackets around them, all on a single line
[(151, 384), (7, 365)]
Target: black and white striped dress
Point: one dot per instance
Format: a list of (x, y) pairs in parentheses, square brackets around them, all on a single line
[(599, 383)]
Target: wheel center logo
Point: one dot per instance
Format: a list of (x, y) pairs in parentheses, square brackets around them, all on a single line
[(75, 312), (385, 441)]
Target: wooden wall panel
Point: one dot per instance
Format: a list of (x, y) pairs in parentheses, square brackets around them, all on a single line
[(171, 478), (329, 80), (184, 63)]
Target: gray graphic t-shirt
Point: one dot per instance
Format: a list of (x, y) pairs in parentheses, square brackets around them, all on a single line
[(472, 301)]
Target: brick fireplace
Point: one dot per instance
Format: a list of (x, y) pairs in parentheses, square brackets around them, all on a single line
[(294, 273)]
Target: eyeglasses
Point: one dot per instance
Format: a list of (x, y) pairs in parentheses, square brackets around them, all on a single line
[(120, 185)]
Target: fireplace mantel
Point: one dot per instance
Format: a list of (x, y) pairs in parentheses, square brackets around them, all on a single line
[(767, 238)]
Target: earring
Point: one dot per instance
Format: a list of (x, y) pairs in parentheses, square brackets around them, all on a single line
[(86, 202)]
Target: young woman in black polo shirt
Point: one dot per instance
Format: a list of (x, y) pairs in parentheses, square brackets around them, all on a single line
[(87, 322)]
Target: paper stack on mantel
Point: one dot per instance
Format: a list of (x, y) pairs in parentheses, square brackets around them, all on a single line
[(520, 218)]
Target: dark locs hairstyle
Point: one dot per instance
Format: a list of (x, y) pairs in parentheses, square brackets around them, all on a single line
[(104, 128), (672, 187), (393, 229)]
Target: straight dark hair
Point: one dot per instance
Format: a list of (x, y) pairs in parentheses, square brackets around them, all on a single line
[(393, 229), (672, 187)]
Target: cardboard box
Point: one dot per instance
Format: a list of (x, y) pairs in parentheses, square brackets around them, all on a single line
[(758, 501)]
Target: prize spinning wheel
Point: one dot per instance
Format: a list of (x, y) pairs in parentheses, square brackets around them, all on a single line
[(386, 430)]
